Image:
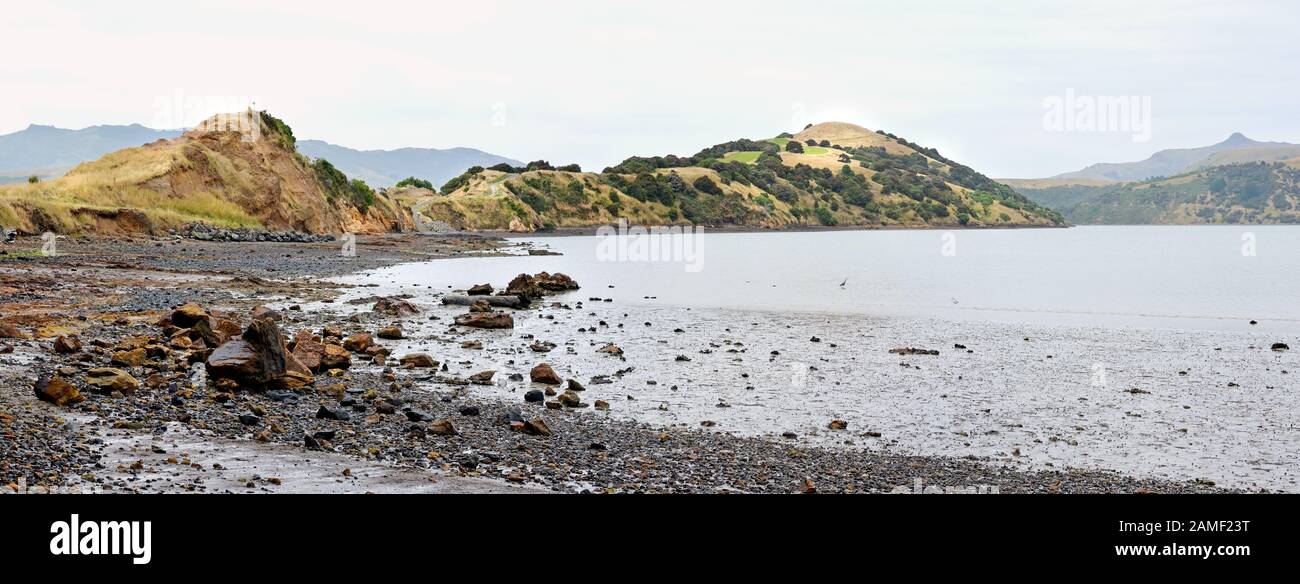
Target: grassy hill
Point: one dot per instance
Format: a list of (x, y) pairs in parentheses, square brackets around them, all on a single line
[(208, 175), (1252, 193), (827, 175)]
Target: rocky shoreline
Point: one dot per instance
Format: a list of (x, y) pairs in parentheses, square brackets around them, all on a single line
[(132, 326)]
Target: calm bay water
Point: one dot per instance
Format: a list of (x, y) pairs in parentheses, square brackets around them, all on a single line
[(1058, 327), (1187, 278)]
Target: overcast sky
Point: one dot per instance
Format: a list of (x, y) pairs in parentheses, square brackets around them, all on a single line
[(595, 82)]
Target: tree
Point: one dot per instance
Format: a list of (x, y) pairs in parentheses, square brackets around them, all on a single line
[(794, 146), (33, 179), (704, 184), (415, 182)]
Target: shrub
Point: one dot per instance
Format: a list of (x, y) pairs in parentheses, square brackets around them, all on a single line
[(825, 217), (704, 184), (455, 183), (332, 180), (360, 194), (415, 182), (279, 130), (534, 200)]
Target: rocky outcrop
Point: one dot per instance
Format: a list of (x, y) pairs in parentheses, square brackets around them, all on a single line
[(524, 286), (67, 344), (395, 307), (555, 282), (421, 360), (488, 320), (57, 391), (543, 373), (535, 286), (108, 380), (258, 360)]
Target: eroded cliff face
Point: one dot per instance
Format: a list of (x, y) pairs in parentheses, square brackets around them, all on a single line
[(222, 173)]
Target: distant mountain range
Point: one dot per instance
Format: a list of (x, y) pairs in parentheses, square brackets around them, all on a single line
[(1236, 181), (383, 168), (1236, 148), (49, 152)]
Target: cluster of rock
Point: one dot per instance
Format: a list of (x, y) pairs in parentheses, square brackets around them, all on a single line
[(520, 293), (544, 374), (535, 286), (188, 336), (205, 232), (258, 357)]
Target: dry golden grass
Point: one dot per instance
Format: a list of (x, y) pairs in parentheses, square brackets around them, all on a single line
[(845, 134), (96, 188), (111, 183)]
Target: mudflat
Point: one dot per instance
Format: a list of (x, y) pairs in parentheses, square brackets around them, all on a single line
[(99, 323)]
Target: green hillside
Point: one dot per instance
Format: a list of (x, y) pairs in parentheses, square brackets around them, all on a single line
[(1253, 193), (828, 175)]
